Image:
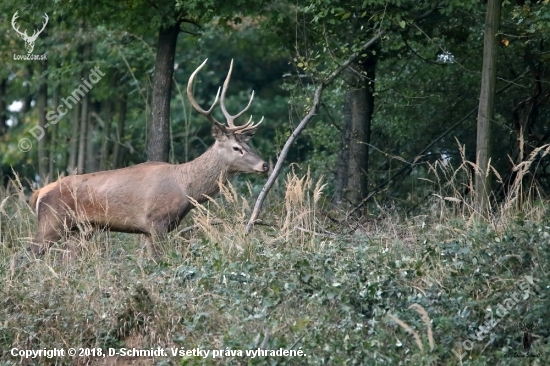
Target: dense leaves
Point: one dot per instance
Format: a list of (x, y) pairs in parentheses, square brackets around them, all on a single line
[(427, 79)]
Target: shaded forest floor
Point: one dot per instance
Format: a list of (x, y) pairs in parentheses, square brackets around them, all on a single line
[(430, 289)]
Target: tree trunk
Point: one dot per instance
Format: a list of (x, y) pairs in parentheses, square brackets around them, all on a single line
[(83, 132), (118, 148), (53, 137), (107, 120), (353, 158), (92, 162), (486, 105), (312, 112), (73, 143), (28, 95), (41, 105), (3, 107), (341, 183), (158, 131)]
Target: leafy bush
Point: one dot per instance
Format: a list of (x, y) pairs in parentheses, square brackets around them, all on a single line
[(373, 291)]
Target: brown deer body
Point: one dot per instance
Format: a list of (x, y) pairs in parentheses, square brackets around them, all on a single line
[(150, 198)]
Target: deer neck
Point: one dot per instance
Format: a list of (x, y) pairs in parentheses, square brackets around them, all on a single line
[(200, 177)]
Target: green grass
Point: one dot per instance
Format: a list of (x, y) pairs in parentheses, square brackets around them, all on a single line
[(335, 294)]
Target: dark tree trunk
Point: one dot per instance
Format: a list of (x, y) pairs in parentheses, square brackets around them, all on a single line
[(73, 143), (28, 94), (84, 104), (118, 148), (158, 131), (3, 106), (82, 134), (341, 183), (92, 161), (353, 158), (41, 105), (107, 120), (53, 138), (486, 104)]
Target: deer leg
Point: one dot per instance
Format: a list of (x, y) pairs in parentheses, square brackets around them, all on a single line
[(46, 236), (74, 244), (157, 234), (149, 246), (53, 224)]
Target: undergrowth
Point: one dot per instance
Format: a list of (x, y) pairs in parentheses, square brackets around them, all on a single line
[(389, 289)]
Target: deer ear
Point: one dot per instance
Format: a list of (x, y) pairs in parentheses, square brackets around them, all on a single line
[(218, 133), (246, 136)]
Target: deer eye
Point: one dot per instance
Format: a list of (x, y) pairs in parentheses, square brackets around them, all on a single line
[(236, 148)]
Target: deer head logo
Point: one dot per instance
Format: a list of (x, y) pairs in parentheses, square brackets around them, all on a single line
[(29, 40)]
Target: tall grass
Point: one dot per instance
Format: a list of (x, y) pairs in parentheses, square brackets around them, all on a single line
[(456, 192), (297, 222), (390, 289)]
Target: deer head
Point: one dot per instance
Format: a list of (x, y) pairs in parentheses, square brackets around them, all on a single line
[(231, 140), (29, 40)]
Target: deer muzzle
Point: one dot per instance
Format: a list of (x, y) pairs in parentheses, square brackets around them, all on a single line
[(261, 167)]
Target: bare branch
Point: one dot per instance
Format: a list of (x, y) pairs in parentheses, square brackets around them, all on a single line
[(312, 112)]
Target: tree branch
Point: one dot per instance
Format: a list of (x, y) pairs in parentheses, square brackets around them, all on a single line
[(310, 115), (338, 127), (417, 55), (300, 127)]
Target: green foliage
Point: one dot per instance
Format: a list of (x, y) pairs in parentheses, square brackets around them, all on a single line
[(330, 298), (333, 297), (427, 77)]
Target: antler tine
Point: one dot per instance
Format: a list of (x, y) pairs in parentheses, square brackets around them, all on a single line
[(37, 33), (247, 123), (253, 126), (15, 27), (44, 23), (208, 113), (230, 119)]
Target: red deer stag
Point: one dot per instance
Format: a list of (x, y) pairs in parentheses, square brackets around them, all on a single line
[(150, 198)]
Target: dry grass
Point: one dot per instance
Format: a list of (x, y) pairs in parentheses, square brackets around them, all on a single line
[(457, 193), (290, 283), (425, 318), (297, 223)]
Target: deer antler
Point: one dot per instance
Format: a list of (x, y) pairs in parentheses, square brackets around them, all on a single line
[(230, 119), (231, 128), (16, 28), (36, 34), (208, 113), (25, 35)]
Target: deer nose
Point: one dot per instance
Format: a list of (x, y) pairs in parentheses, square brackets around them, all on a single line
[(266, 167)]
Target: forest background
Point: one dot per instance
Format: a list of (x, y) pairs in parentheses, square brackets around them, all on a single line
[(425, 163)]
